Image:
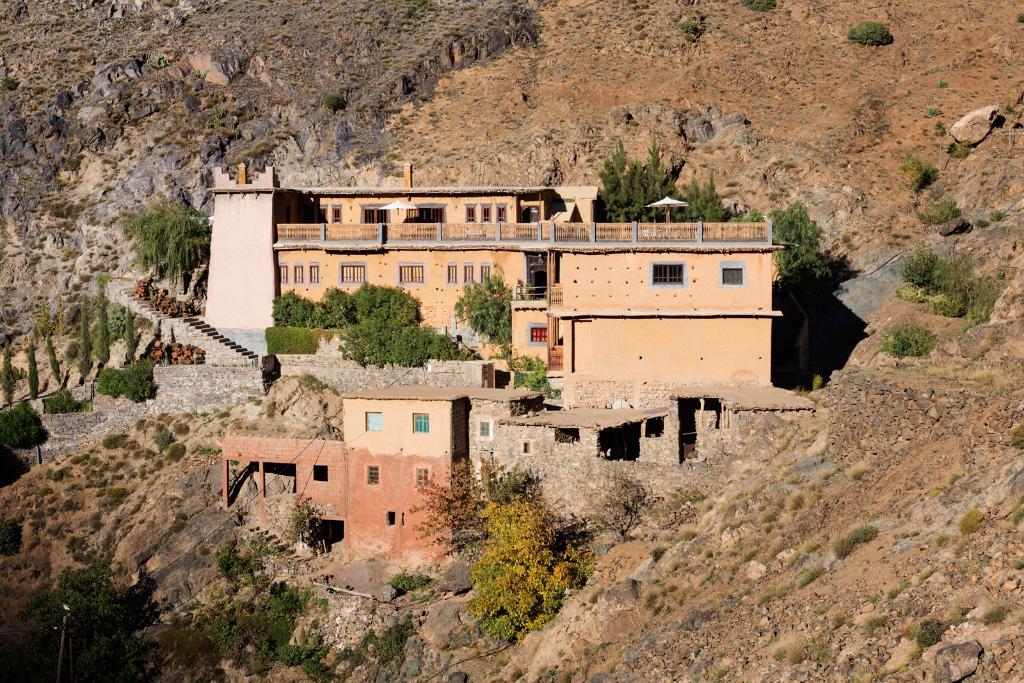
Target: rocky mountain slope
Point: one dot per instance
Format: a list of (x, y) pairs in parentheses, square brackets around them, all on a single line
[(110, 104)]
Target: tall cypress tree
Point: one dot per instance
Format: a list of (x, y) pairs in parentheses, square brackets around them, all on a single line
[(131, 340), (7, 375), (102, 328), (51, 354), (627, 187), (704, 202), (85, 340), (33, 370)]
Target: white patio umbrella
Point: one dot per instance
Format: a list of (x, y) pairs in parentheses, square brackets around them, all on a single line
[(398, 204), (669, 204)]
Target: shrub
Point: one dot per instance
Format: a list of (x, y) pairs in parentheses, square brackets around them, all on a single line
[(9, 83), (20, 427), (333, 102), (690, 27), (175, 452), (929, 632), (403, 582), (292, 310), (939, 212), (292, 340), (920, 174), (10, 536), (63, 402), (759, 5), (870, 33), (134, 382), (808, 575), (958, 150), (1020, 18), (162, 439), (913, 294), (847, 543), (531, 373), (995, 614), (1017, 437), (918, 268), (908, 339), (111, 441), (522, 575), (941, 304), (381, 342), (622, 506), (971, 521)]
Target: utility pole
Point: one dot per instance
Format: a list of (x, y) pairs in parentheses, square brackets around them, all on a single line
[(60, 652)]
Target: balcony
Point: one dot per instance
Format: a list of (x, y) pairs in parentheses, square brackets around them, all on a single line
[(530, 234)]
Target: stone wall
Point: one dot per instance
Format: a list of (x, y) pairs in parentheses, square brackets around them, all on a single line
[(594, 393), (186, 388), (347, 376), (72, 432), (876, 417)]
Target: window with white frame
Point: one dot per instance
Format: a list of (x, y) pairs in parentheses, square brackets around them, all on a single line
[(486, 429), (471, 213)]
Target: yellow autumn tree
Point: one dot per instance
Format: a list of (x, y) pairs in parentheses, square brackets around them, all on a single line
[(523, 573)]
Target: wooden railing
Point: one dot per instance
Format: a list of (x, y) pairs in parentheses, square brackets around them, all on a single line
[(736, 232), (556, 358), (554, 295), (613, 232), (352, 232), (667, 232), (521, 232), (558, 233), (572, 232), (411, 232), (299, 231), (468, 232)]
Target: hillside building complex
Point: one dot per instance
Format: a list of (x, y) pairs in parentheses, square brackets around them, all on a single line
[(623, 311)]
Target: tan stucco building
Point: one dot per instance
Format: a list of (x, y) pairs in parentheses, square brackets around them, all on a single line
[(618, 309)]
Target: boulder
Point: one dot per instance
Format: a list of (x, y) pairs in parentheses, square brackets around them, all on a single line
[(443, 626), (972, 128), (456, 579), (957, 662), (217, 69), (957, 226)]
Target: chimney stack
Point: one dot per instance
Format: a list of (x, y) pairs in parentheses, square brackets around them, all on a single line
[(407, 175), (241, 174)]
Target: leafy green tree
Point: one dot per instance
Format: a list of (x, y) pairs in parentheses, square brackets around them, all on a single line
[(801, 263), (103, 625), (33, 370), (487, 307), (20, 427), (7, 378), (51, 355), (85, 340), (102, 352), (170, 239), (131, 338), (523, 574), (378, 342), (134, 382)]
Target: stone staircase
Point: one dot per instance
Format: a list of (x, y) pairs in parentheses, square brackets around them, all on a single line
[(195, 331)]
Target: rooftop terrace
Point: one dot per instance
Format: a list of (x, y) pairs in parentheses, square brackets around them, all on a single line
[(512, 234)]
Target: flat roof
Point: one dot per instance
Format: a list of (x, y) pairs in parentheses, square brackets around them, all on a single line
[(589, 418), (434, 393), (738, 397)]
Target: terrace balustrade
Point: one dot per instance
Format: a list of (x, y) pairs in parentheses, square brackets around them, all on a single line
[(529, 233)]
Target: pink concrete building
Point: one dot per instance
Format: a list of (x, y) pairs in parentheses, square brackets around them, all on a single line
[(369, 485)]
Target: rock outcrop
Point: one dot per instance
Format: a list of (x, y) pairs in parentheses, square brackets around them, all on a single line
[(974, 126)]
